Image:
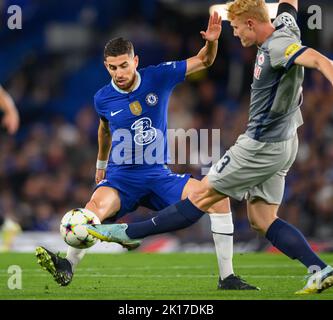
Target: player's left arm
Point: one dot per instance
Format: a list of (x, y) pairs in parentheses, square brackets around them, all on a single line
[(206, 56), (11, 118), (311, 58)]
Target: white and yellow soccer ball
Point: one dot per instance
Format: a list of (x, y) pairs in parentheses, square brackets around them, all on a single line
[(73, 228)]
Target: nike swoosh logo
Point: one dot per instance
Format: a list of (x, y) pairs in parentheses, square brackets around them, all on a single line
[(115, 113)]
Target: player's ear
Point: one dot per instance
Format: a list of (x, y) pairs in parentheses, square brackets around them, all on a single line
[(136, 61), (250, 24)]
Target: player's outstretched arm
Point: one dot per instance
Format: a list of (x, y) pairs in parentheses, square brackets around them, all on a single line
[(104, 148), (11, 118), (206, 56), (315, 60), (294, 3)]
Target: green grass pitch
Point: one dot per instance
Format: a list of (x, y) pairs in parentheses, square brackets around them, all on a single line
[(179, 276)]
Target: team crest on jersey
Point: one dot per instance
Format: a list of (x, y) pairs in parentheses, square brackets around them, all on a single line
[(261, 59), (152, 99), (136, 108), (257, 72)]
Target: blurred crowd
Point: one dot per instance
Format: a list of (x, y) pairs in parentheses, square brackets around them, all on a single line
[(49, 167)]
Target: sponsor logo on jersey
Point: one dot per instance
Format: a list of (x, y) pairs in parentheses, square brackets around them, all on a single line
[(292, 49), (145, 133), (261, 59), (257, 72), (136, 108), (152, 99)]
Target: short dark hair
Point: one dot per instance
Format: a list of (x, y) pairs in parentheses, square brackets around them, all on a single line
[(118, 46)]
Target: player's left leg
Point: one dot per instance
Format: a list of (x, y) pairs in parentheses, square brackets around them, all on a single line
[(290, 241), (264, 200), (222, 228)]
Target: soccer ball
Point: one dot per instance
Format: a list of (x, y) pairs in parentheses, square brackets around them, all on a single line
[(74, 231)]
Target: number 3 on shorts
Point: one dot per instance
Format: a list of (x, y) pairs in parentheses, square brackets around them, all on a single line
[(224, 161)]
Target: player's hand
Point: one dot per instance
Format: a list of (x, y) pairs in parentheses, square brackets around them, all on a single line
[(11, 121), (214, 28), (99, 176)]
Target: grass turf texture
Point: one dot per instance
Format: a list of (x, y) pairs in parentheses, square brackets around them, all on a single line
[(177, 276)]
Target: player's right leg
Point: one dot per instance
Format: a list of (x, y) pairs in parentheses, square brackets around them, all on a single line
[(105, 203)]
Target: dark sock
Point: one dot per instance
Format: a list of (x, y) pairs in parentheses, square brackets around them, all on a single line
[(292, 243), (175, 217)]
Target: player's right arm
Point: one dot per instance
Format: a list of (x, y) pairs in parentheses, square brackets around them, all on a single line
[(206, 56), (104, 148), (11, 118)]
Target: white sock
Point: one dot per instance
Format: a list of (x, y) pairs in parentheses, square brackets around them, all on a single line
[(223, 228), (74, 256)]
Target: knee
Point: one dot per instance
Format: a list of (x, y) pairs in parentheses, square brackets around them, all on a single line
[(261, 226), (197, 196), (257, 226), (222, 206), (98, 208), (204, 198)]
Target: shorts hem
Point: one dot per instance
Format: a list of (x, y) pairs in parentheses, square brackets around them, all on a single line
[(225, 192)]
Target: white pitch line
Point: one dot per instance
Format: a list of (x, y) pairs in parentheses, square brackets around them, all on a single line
[(208, 267), (166, 276)]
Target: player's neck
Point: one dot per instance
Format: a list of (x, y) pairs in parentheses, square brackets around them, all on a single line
[(264, 32)]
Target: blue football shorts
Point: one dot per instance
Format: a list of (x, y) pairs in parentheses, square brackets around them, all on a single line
[(155, 187)]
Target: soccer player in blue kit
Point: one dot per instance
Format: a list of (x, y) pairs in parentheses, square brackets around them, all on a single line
[(132, 169)]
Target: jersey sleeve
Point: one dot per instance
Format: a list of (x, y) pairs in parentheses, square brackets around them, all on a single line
[(287, 20), (286, 44), (284, 50), (99, 108), (287, 7), (171, 73)]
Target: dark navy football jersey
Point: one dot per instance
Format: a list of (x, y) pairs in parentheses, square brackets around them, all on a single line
[(138, 120)]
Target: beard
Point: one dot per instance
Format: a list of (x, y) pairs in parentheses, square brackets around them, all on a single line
[(127, 85)]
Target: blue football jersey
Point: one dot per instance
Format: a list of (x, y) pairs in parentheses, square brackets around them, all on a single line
[(138, 120)]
